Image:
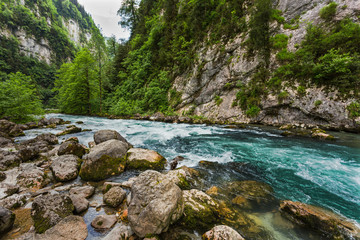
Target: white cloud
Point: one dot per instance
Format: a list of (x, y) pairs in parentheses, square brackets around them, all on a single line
[(104, 14)]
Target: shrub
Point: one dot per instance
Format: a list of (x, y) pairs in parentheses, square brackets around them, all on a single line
[(253, 111), (354, 109), (218, 100), (329, 11)]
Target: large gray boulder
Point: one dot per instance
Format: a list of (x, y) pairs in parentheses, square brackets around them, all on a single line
[(31, 176), (104, 160), (115, 196), (156, 202), (222, 232), (143, 159), (106, 135), (65, 167), (48, 210), (72, 147), (7, 219)]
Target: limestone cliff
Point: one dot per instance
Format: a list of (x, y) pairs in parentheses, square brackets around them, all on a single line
[(210, 86)]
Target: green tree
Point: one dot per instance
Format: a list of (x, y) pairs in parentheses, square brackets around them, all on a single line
[(77, 85), (19, 99)]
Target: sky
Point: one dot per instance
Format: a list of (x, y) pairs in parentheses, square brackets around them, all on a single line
[(104, 14)]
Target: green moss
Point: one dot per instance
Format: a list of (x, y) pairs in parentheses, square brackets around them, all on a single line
[(317, 103), (143, 164), (183, 184), (202, 220), (218, 100)]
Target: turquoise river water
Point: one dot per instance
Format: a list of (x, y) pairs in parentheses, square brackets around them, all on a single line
[(322, 173)]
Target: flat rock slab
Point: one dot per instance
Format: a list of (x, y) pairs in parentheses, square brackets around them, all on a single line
[(103, 222), (143, 159), (84, 191), (65, 167)]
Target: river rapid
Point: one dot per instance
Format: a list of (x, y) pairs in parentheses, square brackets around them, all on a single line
[(321, 173)]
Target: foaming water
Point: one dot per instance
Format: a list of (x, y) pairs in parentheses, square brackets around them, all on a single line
[(299, 169)]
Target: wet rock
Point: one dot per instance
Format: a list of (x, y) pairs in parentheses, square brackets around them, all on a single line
[(105, 135), (178, 233), (184, 177), (321, 134), (4, 142), (250, 194), (16, 131), (84, 191), (71, 129), (222, 232), (7, 219), (114, 197), (79, 122), (156, 202), (104, 160), (65, 167), (120, 232), (103, 222), (7, 190), (175, 162), (72, 147), (328, 223), (80, 203), (9, 160), (73, 139), (91, 144), (32, 125), (47, 137), (14, 201), (138, 158), (56, 121), (48, 210), (31, 176), (201, 210)]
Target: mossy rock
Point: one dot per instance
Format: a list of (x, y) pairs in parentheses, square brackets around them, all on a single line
[(143, 159)]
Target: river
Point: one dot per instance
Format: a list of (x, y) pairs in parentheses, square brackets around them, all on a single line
[(316, 172)]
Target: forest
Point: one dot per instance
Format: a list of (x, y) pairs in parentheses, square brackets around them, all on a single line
[(136, 76)]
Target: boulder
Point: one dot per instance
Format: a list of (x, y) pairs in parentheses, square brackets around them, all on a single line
[(103, 222), (104, 160), (71, 227), (143, 159), (7, 219), (72, 147), (160, 117), (47, 137), (156, 202), (120, 232), (222, 232), (114, 197), (69, 130), (48, 210), (184, 177), (84, 191), (9, 160), (80, 202), (175, 162), (16, 131), (201, 210), (14, 201), (105, 135), (31, 176), (65, 167), (328, 223)]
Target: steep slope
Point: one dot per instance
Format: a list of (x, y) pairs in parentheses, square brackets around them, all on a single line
[(38, 36), (264, 61)]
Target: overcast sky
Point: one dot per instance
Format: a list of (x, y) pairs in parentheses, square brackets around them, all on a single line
[(104, 13)]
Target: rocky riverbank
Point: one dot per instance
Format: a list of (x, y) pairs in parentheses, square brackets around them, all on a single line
[(47, 188)]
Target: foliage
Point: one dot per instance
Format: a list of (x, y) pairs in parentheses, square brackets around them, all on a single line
[(77, 85), (19, 98), (218, 100), (354, 109), (317, 103), (329, 11)]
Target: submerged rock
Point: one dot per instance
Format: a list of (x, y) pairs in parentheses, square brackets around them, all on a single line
[(104, 160), (328, 223), (138, 158), (201, 210), (7, 219), (115, 196), (156, 202), (72, 147), (222, 232), (48, 210), (103, 222), (106, 135), (65, 167)]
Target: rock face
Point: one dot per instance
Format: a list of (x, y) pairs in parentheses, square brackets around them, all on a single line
[(103, 222), (105, 135), (104, 160), (156, 202), (65, 167), (7, 219), (71, 147), (48, 210), (138, 158), (115, 196), (201, 211), (222, 232), (331, 225)]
